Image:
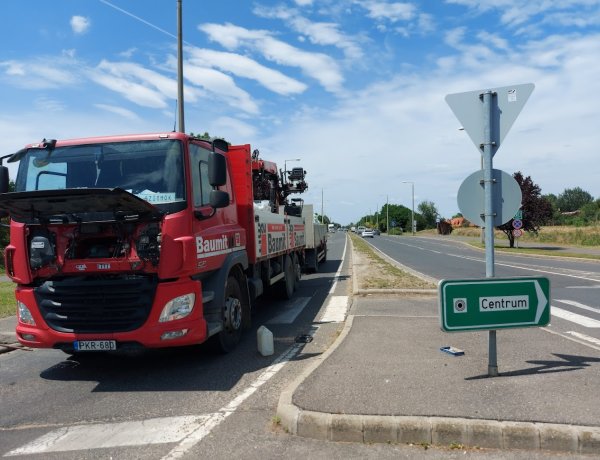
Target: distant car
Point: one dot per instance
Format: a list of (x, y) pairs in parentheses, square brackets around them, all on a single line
[(367, 233), (376, 231)]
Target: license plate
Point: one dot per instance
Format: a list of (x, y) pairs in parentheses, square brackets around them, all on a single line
[(95, 345)]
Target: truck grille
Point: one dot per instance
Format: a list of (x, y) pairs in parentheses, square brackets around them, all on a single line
[(96, 304)]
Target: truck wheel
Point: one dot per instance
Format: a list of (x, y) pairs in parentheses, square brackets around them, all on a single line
[(233, 316), (286, 285), (297, 270)]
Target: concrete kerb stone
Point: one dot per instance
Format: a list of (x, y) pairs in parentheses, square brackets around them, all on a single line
[(427, 430)]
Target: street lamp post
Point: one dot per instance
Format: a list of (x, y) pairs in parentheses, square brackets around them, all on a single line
[(387, 214), (412, 213)]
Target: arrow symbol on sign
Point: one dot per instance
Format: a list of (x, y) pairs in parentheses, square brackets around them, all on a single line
[(542, 301)]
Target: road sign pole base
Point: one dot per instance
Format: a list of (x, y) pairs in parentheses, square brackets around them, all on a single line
[(493, 355)]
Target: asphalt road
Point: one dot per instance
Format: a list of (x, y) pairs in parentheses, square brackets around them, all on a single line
[(190, 403), (42, 391), (574, 283)]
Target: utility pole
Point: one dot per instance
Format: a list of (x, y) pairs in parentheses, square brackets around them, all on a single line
[(387, 214), (322, 215), (180, 68), (412, 212)]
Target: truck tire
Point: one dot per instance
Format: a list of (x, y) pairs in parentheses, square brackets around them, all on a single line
[(287, 284), (297, 270), (233, 316)]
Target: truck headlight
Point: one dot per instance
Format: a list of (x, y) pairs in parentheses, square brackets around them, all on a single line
[(177, 308), (24, 314)]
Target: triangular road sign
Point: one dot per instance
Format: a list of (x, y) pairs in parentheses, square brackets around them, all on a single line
[(508, 102)]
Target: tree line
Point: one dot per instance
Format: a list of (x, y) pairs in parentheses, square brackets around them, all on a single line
[(573, 206)]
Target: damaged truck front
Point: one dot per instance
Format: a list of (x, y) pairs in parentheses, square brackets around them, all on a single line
[(100, 241)]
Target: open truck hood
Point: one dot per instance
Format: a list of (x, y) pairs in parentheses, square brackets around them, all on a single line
[(76, 205)]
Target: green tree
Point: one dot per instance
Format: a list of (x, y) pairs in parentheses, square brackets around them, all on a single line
[(537, 210), (396, 213), (590, 213), (322, 219), (557, 218), (573, 199), (429, 213)]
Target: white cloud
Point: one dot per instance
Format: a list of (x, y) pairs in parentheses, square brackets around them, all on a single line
[(47, 104), (318, 33), (224, 126), (393, 12), (245, 67), (40, 73), (319, 66), (516, 13), (120, 111), (222, 86), (136, 83), (403, 130), (80, 24)]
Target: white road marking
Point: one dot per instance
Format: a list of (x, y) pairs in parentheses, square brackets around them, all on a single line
[(291, 310), (104, 435), (215, 419), (339, 271), (186, 430), (335, 310), (337, 306), (597, 286), (579, 305), (574, 317), (506, 265), (587, 338)]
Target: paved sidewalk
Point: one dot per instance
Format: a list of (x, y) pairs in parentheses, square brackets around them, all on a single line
[(386, 380)]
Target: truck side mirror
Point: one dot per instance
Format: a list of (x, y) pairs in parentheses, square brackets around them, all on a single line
[(217, 169), (219, 199), (4, 179)]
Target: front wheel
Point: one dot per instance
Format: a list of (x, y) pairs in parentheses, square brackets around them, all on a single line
[(233, 316)]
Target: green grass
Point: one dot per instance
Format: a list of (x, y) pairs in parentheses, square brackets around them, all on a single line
[(7, 299), (383, 274)]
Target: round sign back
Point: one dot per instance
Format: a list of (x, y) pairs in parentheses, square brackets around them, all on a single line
[(506, 197)]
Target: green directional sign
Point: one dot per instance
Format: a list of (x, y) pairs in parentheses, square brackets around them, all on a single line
[(494, 303)]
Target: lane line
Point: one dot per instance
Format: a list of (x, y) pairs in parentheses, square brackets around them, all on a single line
[(339, 270), (291, 310), (587, 338), (105, 435), (574, 317), (507, 265), (578, 305), (335, 310), (186, 430), (217, 418)]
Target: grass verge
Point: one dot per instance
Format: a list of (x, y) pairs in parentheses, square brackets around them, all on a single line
[(373, 272), (7, 299)]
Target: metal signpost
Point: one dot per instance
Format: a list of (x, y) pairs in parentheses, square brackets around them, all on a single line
[(487, 116)]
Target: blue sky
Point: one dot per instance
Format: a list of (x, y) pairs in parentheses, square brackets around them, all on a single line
[(355, 88)]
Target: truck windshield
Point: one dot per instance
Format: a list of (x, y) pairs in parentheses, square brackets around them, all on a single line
[(151, 170)]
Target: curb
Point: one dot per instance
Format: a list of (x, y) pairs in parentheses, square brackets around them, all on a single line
[(426, 430), (441, 431)]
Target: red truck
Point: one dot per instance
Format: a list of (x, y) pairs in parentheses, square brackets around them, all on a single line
[(147, 241)]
